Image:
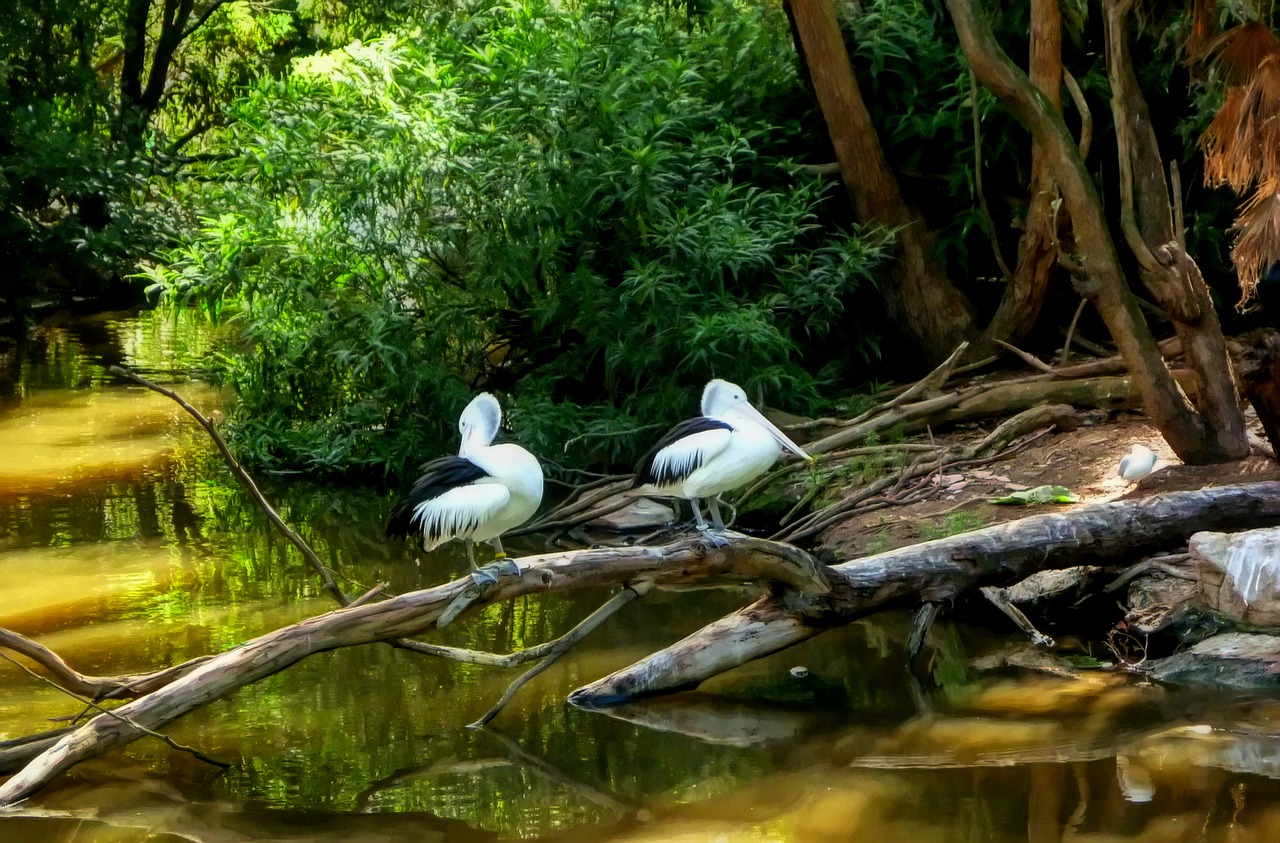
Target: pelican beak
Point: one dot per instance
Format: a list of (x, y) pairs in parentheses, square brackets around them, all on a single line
[(777, 434)]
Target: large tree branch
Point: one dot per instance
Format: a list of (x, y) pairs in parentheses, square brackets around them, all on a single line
[(172, 25), (1147, 218), (750, 560)]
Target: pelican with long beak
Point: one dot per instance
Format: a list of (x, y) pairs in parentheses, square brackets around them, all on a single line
[(730, 444), (477, 496)]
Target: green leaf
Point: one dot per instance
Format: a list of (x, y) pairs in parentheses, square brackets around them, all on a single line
[(1038, 495)]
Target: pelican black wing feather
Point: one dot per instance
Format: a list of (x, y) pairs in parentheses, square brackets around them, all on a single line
[(439, 476), (645, 470)]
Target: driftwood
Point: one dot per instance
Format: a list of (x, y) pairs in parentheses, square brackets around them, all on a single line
[(940, 571), (407, 615), (802, 598), (999, 444), (996, 399)]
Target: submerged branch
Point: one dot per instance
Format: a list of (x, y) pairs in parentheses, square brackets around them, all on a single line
[(90, 704), (564, 644)]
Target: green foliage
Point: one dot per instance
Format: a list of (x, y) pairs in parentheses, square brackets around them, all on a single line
[(587, 208), (88, 145)]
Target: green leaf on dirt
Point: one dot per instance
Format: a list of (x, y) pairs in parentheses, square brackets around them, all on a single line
[(1040, 494)]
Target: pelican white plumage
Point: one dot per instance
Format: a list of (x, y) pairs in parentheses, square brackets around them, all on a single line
[(730, 444), (477, 496), (1137, 464)]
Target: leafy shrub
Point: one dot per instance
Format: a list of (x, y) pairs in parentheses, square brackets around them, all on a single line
[(589, 208)]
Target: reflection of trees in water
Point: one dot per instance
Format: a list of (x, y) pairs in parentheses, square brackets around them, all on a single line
[(10, 370), (99, 341)]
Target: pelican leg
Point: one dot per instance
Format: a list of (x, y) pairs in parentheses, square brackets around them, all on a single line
[(501, 566), (712, 535), (713, 504), (479, 575)]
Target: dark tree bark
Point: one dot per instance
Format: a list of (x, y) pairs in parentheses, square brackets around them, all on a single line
[(142, 88), (1259, 362), (1097, 274), (1169, 273), (1037, 248), (922, 300)]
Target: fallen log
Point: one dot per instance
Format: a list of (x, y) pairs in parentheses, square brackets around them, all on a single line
[(939, 571), (803, 598), (998, 399), (406, 615)]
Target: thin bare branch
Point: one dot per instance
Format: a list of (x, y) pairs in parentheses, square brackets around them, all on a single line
[(566, 643), (1005, 272), (247, 481), (1082, 106), (1026, 357), (106, 712)]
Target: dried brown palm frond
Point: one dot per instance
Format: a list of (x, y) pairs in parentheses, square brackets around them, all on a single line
[(1222, 164), (1262, 99), (1241, 51), (1238, 143), (1258, 237), (1202, 29), (1269, 150)]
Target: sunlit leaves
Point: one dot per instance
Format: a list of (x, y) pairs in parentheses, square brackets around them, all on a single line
[(578, 204)]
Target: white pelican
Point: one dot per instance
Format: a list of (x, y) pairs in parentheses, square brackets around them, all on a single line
[(1137, 464), (728, 445), (476, 496)]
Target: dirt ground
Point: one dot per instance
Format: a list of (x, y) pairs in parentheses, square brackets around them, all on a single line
[(1084, 460)]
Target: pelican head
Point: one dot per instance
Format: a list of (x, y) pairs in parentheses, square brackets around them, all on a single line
[(479, 422), (721, 399)]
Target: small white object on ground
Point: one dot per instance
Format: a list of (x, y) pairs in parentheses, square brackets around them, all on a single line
[(1138, 463)]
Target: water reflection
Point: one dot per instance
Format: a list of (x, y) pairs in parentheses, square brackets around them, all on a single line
[(126, 547)]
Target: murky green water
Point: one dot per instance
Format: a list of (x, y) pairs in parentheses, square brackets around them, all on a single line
[(125, 547)]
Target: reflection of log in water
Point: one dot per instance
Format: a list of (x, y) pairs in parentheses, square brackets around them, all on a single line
[(715, 721)]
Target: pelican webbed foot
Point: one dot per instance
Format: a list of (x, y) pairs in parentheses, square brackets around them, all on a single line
[(503, 566), (713, 535)]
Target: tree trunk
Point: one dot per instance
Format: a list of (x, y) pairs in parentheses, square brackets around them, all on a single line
[(922, 300), (134, 34), (1097, 273), (1259, 363), (1168, 272), (1037, 248)]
